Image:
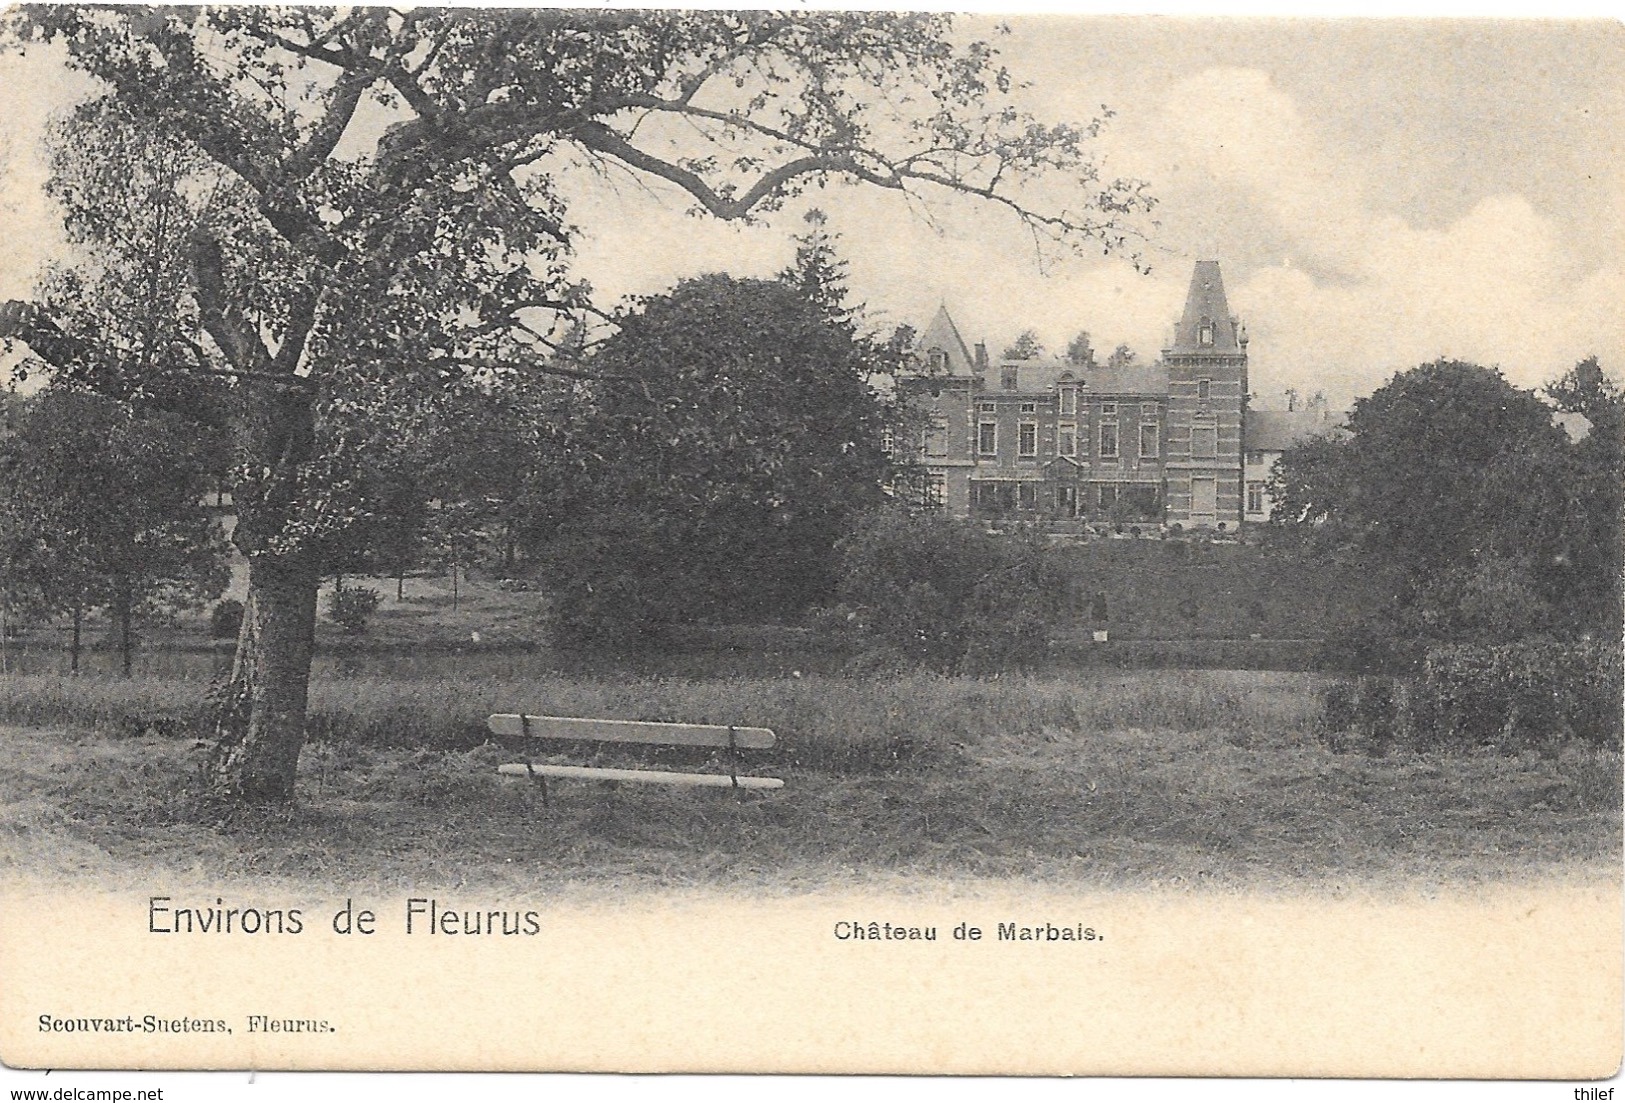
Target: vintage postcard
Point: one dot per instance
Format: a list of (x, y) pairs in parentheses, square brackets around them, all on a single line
[(811, 542)]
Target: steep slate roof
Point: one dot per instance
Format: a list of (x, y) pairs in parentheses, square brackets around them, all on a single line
[(1206, 300), (1278, 430), (943, 334), (1041, 377)]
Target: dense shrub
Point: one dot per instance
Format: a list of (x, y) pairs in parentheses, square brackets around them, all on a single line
[(947, 595), (907, 584), (1515, 694), (351, 607), (226, 619), (1512, 696)]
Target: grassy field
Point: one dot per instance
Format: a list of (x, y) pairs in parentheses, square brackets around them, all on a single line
[(1112, 778), (1092, 775)]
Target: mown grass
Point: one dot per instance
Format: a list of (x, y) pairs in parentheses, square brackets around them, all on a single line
[(1177, 778)]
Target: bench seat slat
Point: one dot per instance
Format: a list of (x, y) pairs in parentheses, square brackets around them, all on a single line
[(605, 773), (630, 731)]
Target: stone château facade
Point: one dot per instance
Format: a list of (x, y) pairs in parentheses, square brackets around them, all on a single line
[(1069, 438)]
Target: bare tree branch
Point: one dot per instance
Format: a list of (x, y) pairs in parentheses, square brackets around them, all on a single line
[(540, 367), (600, 138), (28, 323), (223, 320), (347, 93)]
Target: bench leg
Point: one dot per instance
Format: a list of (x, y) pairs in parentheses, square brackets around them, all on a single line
[(535, 778), (733, 764), (524, 730)]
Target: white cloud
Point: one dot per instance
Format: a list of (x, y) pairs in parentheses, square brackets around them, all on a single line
[(1493, 286), (1348, 290), (36, 87)]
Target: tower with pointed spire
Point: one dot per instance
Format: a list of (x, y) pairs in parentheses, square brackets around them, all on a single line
[(945, 350), (1071, 441), (1207, 398), (942, 391)]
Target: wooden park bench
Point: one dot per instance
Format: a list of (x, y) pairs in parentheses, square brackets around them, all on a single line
[(733, 738)]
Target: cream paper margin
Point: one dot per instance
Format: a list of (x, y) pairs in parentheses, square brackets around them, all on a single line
[(1504, 981), (1495, 982)]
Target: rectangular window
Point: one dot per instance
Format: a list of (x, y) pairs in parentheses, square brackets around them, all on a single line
[(934, 438), (988, 407), (1204, 497), (1108, 440), (1069, 401), (936, 491), (1148, 441), (1204, 442), (1148, 411), (1108, 409), (1028, 439), (987, 438), (1108, 497), (995, 499), (1204, 388), (1029, 407), (1066, 439), (886, 442), (1255, 497), (1029, 495)]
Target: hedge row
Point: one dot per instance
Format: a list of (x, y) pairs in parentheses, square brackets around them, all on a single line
[(1511, 696)]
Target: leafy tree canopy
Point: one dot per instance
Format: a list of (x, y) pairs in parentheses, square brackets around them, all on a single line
[(1025, 347), (1122, 356), (374, 209), (818, 272), (732, 435), (1464, 483), (103, 507)]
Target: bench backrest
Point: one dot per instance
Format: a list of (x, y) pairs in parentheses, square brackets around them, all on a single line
[(630, 731)]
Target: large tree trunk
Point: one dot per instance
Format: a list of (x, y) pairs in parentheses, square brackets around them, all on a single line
[(261, 727)]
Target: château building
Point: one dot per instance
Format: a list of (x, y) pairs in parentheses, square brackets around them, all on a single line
[(1070, 438)]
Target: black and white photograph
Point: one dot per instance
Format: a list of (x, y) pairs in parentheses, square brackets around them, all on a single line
[(823, 541)]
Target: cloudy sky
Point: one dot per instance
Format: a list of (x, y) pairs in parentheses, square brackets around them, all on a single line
[(1378, 192)]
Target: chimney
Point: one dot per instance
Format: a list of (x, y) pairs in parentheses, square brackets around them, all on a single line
[(981, 356)]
